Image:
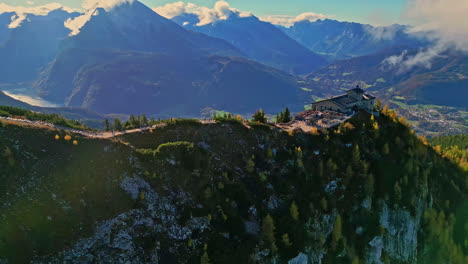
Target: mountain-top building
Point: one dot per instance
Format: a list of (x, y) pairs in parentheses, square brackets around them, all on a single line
[(354, 99)]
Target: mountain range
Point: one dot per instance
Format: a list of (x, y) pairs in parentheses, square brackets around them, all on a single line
[(28, 47), (342, 40), (152, 65), (435, 85), (259, 40)]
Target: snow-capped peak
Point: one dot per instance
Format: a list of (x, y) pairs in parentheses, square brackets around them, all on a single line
[(91, 9), (21, 12)]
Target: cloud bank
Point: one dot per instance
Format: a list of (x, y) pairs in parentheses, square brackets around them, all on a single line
[(21, 13), (77, 23), (221, 11), (442, 21), (288, 21)]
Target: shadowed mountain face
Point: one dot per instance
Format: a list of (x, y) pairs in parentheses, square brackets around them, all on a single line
[(154, 83), (24, 50), (136, 27), (340, 40), (131, 60), (259, 40), (5, 20)]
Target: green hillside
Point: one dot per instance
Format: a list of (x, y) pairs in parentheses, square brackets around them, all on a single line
[(364, 192)]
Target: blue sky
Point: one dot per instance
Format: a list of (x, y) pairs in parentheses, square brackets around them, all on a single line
[(367, 11)]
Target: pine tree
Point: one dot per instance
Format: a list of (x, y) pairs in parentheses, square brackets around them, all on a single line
[(336, 235), (134, 122), (294, 211), (386, 149), (269, 153), (355, 260), (356, 159), (251, 164), (268, 232), (259, 116), (143, 120), (286, 115), (349, 172), (324, 203), (107, 125), (117, 125), (397, 190), (205, 259), (286, 240)]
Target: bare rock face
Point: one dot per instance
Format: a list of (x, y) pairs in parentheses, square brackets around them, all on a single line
[(401, 237), (133, 236)]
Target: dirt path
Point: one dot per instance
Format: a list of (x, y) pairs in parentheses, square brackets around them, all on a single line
[(89, 134)]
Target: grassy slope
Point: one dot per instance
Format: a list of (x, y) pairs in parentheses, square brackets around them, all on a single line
[(53, 191)]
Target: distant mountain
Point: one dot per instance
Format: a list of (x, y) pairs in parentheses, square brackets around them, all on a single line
[(134, 26), (340, 40), (444, 83), (259, 40), (155, 83), (25, 49), (433, 99), (5, 20), (130, 60)]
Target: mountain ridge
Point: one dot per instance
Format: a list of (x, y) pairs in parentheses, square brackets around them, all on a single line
[(259, 40)]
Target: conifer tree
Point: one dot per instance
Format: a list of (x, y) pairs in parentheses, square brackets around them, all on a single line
[(356, 159), (336, 235), (259, 116), (397, 190), (294, 211), (355, 260), (251, 164), (286, 240), (143, 120), (268, 232), (205, 259), (386, 149), (117, 125), (107, 123)]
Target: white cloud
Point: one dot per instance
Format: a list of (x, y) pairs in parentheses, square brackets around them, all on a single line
[(405, 62), (444, 22), (77, 23), (288, 21), (383, 33), (171, 10), (106, 4), (22, 12), (221, 11), (30, 2)]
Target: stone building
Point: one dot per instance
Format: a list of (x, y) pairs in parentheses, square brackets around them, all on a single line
[(354, 99)]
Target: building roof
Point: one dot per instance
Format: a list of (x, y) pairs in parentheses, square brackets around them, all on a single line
[(345, 101), (357, 89)]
